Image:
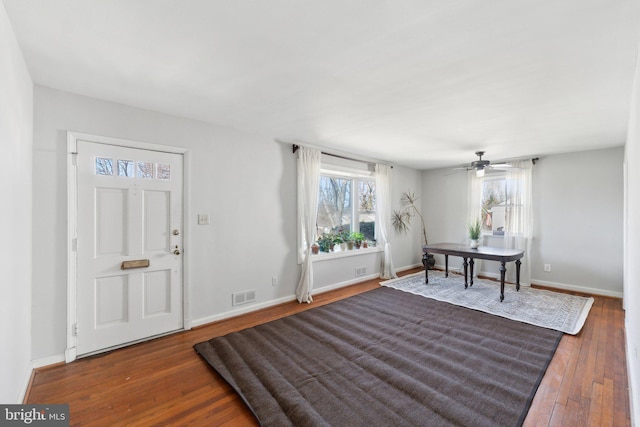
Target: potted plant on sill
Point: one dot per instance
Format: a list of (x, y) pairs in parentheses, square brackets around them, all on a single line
[(344, 235), (401, 221), (474, 234), (326, 242), (358, 238), (340, 238), (350, 241)]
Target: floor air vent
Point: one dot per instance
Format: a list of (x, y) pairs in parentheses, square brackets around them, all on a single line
[(244, 297)]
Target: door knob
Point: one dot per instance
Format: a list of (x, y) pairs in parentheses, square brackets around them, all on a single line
[(176, 251), (176, 232)]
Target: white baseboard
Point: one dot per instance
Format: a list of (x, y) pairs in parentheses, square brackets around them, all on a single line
[(33, 365), (409, 267), (556, 285), (583, 289), (240, 311), (631, 359), (266, 304), (46, 361), (25, 384)]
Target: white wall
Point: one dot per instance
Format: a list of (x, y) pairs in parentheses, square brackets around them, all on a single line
[(632, 249), (246, 182), (578, 205), (578, 213), (16, 124)]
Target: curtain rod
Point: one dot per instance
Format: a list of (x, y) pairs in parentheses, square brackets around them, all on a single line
[(295, 148)]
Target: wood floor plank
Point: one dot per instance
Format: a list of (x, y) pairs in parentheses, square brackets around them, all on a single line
[(556, 419), (548, 392), (164, 382)]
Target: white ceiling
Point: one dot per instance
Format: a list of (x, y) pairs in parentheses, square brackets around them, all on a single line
[(421, 83)]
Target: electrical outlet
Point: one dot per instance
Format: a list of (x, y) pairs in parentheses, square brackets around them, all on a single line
[(547, 267), (274, 281)]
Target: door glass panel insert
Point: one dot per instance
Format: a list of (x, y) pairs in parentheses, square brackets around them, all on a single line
[(125, 168), (104, 166), (163, 171), (145, 170)]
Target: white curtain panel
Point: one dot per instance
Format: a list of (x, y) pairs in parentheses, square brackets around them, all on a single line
[(383, 208), (519, 216), (308, 188), (474, 209)]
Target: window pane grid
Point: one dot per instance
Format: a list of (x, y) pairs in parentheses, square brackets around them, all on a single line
[(132, 169), (346, 212)]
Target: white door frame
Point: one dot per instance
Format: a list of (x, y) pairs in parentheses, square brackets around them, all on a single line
[(70, 353)]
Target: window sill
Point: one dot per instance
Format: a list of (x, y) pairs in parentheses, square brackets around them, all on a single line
[(324, 256), (498, 235)]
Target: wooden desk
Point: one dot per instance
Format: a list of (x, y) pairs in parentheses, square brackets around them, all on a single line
[(484, 252)]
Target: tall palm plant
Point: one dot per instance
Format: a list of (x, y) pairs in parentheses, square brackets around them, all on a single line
[(401, 219)]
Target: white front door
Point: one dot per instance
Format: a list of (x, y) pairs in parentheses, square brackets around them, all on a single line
[(129, 262)]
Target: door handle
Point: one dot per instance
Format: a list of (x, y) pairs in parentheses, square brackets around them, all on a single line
[(176, 251)]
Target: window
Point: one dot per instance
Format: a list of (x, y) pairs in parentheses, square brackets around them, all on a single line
[(494, 198), (126, 168), (346, 205)]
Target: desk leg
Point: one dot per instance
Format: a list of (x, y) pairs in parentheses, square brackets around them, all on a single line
[(518, 274), (464, 263), (503, 270), (446, 266), (471, 271), (425, 258)]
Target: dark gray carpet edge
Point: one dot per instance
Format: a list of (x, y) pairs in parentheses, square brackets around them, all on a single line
[(385, 357)]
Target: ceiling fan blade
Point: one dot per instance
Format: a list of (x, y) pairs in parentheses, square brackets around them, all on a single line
[(458, 170), (503, 167)]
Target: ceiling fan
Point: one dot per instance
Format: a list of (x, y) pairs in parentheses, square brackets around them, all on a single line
[(480, 165)]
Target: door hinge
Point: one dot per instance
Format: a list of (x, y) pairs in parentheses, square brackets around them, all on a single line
[(74, 159), (74, 330), (74, 244)]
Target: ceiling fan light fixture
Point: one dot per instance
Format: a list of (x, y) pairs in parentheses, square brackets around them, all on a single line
[(480, 173)]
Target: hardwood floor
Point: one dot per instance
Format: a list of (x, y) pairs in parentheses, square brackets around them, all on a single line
[(164, 382)]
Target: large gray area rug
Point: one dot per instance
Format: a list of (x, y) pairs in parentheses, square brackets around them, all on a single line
[(386, 358), (554, 310)]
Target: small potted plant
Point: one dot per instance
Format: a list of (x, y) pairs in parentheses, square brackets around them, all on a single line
[(350, 241), (344, 238), (338, 240), (315, 248), (326, 242), (474, 233), (358, 238)]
